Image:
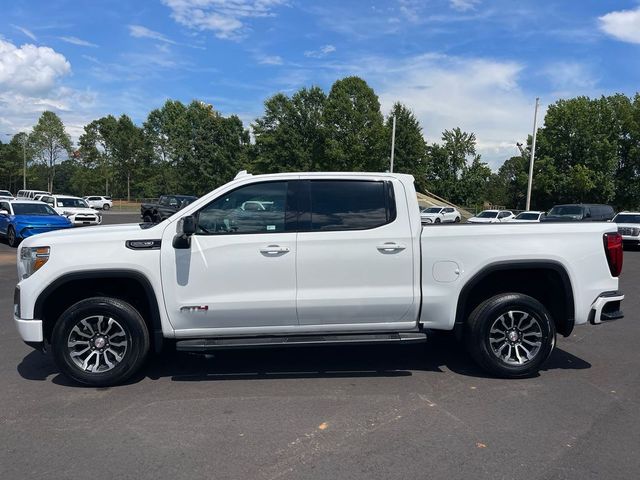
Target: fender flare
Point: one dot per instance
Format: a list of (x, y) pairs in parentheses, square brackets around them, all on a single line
[(152, 299), (491, 268)]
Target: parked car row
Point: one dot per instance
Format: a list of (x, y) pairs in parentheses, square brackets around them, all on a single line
[(36, 211), (628, 222)]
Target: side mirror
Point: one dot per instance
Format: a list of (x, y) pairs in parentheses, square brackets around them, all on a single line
[(186, 227), (4, 212)]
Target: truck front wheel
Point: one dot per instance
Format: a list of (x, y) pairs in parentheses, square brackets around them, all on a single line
[(510, 335), (100, 341)]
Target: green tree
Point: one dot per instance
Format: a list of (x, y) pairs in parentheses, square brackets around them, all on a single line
[(410, 148), (356, 137), (96, 153), (202, 148), (130, 150), (579, 139), (447, 163), (290, 136), (12, 158), (50, 144)]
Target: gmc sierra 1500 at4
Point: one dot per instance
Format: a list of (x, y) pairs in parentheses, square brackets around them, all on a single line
[(310, 258)]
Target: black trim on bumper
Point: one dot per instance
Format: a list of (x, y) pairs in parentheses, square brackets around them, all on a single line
[(40, 346)]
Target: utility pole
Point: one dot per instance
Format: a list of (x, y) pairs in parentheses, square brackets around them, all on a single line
[(533, 152), (393, 142), (24, 162)]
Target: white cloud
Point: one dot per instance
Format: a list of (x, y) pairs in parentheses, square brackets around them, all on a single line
[(226, 18), (270, 60), (27, 32), (140, 31), (320, 53), (30, 69), (623, 25), (570, 77), (478, 95), (78, 41), (463, 5), (30, 82)]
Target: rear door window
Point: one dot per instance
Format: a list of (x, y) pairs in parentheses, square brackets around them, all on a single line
[(337, 205)]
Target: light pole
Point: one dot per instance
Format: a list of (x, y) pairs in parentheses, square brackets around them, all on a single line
[(533, 152), (393, 142), (24, 158)]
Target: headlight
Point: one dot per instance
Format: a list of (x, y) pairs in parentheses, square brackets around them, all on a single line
[(32, 259), (67, 214)]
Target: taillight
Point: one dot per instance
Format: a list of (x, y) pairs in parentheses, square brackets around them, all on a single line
[(613, 249)]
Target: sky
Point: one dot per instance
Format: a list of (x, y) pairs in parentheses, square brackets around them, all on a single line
[(473, 64)]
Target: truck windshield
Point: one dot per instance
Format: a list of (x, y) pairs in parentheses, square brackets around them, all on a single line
[(432, 210), (573, 211), (627, 218), (72, 203), (487, 214), (33, 209)]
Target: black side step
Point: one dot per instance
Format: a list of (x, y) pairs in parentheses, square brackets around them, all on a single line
[(208, 344)]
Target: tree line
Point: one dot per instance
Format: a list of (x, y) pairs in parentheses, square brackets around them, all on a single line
[(588, 150)]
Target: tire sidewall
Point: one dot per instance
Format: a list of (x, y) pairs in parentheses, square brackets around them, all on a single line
[(12, 238), (483, 317), (129, 319)]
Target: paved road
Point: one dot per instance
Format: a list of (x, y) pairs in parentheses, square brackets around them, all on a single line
[(385, 412)]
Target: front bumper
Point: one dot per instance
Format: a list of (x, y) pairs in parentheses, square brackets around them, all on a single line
[(30, 330), (606, 307), (85, 219)]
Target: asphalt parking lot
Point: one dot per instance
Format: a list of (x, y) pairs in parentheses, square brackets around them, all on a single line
[(384, 412)]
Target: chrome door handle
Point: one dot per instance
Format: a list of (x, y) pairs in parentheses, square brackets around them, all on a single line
[(273, 249), (390, 247)]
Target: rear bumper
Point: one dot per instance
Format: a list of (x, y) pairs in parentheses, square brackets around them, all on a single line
[(606, 307)]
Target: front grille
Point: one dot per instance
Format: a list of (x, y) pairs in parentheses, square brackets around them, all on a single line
[(631, 231), (85, 218)]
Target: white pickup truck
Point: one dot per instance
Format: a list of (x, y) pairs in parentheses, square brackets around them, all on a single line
[(330, 258)]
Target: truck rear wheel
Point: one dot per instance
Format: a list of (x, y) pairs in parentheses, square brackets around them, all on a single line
[(100, 341), (510, 335)]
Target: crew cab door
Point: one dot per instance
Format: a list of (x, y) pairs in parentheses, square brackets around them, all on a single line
[(238, 273), (355, 263)]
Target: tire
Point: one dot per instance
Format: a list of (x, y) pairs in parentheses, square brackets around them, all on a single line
[(106, 206), (457, 220), (12, 238), (504, 354), (116, 334), (437, 220)]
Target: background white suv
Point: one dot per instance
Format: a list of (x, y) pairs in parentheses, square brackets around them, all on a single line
[(492, 216), (439, 215), (629, 227), (98, 202), (74, 208)]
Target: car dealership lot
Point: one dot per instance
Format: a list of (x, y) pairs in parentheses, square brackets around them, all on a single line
[(353, 412)]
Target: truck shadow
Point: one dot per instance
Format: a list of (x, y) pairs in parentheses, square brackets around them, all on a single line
[(439, 355)]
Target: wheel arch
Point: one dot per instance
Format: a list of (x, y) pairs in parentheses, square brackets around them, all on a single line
[(128, 285), (553, 289)]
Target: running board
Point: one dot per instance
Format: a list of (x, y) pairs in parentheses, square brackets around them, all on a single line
[(208, 344)]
